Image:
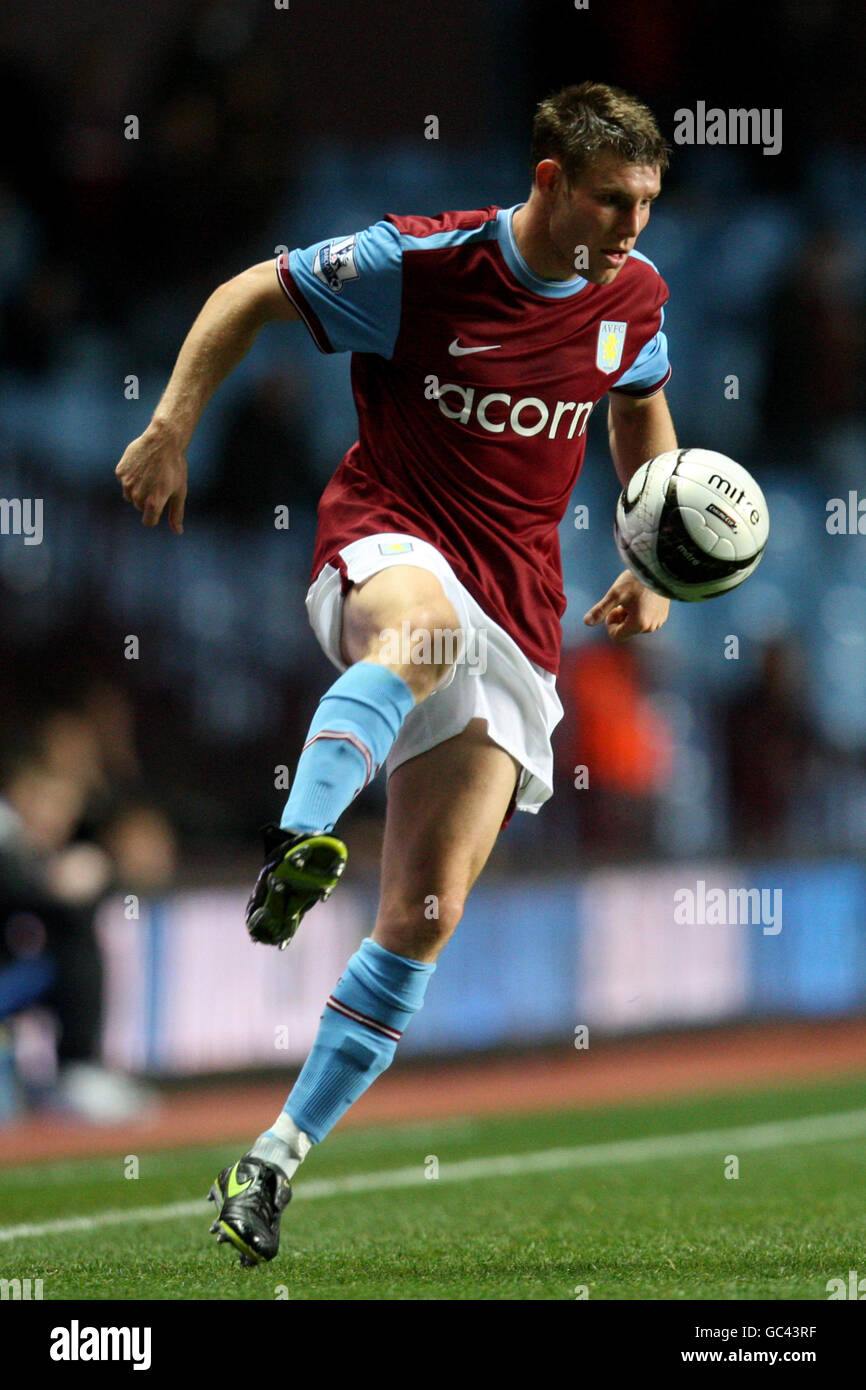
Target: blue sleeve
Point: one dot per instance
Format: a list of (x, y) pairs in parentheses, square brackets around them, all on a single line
[(348, 289), (651, 368)]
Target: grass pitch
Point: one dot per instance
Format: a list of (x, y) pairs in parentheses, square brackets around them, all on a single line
[(509, 1217)]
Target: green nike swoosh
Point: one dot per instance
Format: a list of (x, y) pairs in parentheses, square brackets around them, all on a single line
[(233, 1187)]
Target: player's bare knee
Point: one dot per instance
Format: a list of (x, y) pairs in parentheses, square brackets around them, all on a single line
[(420, 646), (415, 941), (424, 647), (420, 928), (403, 619)]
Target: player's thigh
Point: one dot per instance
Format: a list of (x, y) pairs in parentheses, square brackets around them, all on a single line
[(382, 603), (445, 810)]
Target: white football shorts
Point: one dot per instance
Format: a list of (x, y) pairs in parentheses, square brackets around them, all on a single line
[(491, 678)]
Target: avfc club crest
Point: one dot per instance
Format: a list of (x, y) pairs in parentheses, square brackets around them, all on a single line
[(335, 262), (611, 341)]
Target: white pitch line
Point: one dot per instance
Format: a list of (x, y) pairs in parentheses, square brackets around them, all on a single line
[(811, 1130)]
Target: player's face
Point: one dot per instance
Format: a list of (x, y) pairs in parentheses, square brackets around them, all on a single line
[(604, 211)]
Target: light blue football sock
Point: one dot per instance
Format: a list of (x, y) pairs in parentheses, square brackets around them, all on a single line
[(363, 1021), (352, 733)]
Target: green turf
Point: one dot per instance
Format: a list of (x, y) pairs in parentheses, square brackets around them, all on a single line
[(667, 1228)]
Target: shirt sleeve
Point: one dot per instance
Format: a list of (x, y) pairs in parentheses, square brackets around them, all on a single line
[(651, 369), (348, 290)]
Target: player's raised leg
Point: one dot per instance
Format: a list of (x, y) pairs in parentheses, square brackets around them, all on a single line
[(445, 809), (353, 730)]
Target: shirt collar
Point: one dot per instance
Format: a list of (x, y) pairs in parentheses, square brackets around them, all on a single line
[(549, 289)]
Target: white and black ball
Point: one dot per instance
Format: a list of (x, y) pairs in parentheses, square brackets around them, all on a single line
[(691, 524)]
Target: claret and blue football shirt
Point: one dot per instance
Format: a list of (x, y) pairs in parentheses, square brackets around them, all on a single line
[(474, 380)]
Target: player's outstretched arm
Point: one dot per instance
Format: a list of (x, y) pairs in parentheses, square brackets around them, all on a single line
[(153, 471), (638, 429)]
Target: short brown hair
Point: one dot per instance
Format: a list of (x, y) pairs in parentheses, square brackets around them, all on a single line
[(577, 124)]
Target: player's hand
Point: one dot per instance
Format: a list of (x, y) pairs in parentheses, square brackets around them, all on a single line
[(152, 473), (628, 609)]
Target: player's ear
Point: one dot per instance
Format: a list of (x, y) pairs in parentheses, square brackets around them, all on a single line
[(548, 174)]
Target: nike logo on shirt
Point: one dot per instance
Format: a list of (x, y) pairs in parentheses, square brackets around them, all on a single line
[(457, 351)]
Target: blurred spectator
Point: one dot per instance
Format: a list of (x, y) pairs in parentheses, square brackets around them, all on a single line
[(47, 897), (70, 749), (98, 166), (266, 459), (773, 753), (614, 753), (214, 169), (50, 886), (110, 711), (37, 320), (816, 350), (28, 115), (143, 849)]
